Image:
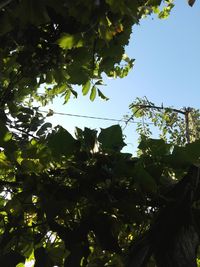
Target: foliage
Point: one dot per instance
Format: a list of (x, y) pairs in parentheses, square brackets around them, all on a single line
[(61, 45), (176, 126), (80, 201)]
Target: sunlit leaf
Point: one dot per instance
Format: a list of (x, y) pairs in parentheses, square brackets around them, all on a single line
[(67, 96), (68, 41), (86, 88), (93, 93)]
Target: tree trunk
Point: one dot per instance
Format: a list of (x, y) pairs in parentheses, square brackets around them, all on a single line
[(173, 238), (180, 251)]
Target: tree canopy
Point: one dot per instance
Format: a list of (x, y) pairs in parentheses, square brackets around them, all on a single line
[(80, 201), (73, 42)]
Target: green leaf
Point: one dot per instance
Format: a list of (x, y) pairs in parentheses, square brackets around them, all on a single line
[(5, 135), (144, 179), (86, 87), (154, 147), (67, 96), (43, 128), (179, 158), (74, 93), (78, 133), (93, 93), (102, 96), (89, 137), (69, 41), (193, 150), (20, 265), (26, 110), (78, 74), (29, 165), (111, 138), (183, 157), (61, 143)]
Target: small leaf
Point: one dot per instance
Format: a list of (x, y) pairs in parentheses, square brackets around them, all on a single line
[(99, 82), (20, 265), (102, 96), (74, 93), (68, 41), (191, 2), (86, 88), (5, 135), (93, 93), (67, 96)]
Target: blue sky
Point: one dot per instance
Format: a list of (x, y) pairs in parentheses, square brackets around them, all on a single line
[(167, 70)]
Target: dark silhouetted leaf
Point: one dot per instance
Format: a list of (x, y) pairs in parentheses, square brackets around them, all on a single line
[(111, 138)]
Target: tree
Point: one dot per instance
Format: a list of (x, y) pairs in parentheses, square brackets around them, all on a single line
[(176, 126), (44, 42), (73, 204), (173, 237), (80, 201)]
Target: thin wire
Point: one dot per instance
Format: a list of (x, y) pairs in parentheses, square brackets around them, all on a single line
[(51, 112)]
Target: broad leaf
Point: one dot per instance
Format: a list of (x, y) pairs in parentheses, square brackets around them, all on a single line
[(68, 41), (144, 179), (111, 138), (61, 143)]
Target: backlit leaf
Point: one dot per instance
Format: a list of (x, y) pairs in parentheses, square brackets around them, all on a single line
[(111, 138), (86, 88), (68, 41), (62, 143), (93, 93)]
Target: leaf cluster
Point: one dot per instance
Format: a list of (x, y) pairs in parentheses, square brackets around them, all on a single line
[(58, 45), (81, 201)]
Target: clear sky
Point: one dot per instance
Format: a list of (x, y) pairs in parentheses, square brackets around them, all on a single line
[(167, 70)]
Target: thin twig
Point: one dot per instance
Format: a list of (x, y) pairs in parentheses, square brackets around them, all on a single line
[(23, 131), (140, 106)]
